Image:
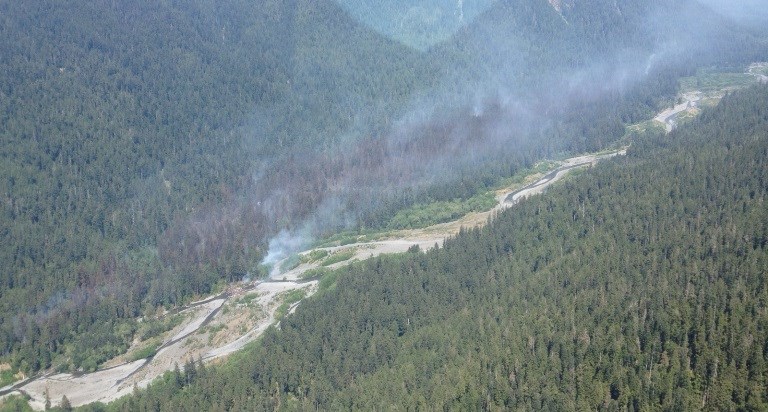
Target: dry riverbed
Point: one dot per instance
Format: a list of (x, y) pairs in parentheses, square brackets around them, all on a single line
[(210, 329)]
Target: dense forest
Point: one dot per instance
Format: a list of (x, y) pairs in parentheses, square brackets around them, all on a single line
[(639, 284), (120, 122), (149, 151)]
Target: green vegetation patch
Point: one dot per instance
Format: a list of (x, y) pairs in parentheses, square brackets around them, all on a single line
[(328, 282), (428, 214), (289, 299), (16, 403), (423, 215), (348, 238), (709, 102), (710, 80), (7, 377), (145, 352), (314, 256), (246, 299), (338, 257), (314, 273), (650, 126), (687, 116), (213, 329), (89, 350), (151, 328), (520, 177)]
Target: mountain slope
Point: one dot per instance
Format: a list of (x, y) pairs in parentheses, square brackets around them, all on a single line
[(638, 284), (540, 288), (150, 151), (119, 120)]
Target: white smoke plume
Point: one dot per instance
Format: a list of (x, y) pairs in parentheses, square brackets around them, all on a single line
[(281, 247)]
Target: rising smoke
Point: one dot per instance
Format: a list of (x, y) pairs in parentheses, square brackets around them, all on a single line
[(282, 246)]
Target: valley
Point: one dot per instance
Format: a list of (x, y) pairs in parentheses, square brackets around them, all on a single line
[(707, 89), (621, 288), (219, 325), (336, 205), (222, 324)]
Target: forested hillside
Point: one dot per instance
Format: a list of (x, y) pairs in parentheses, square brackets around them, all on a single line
[(519, 83), (150, 151), (120, 119), (638, 284)]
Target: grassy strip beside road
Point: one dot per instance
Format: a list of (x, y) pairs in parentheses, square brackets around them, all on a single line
[(145, 352), (338, 257), (291, 297), (423, 215)]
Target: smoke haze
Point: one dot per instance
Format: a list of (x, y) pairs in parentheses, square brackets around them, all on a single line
[(489, 109)]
